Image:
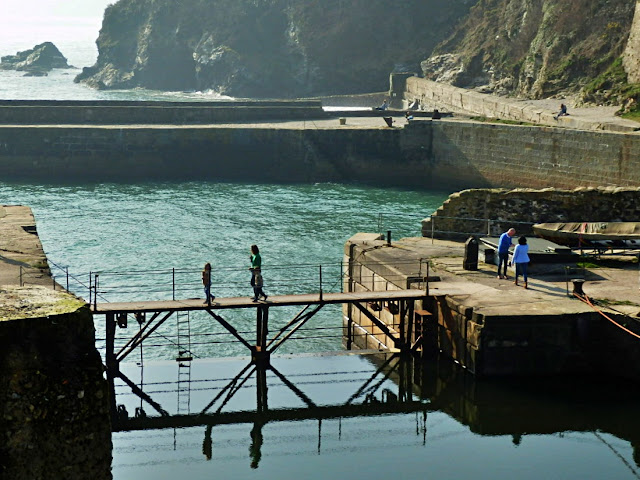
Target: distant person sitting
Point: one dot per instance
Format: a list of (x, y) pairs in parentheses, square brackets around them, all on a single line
[(436, 114), (408, 117), (563, 111), (384, 105)]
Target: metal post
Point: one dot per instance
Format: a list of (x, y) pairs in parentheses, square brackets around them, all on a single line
[(21, 275), (388, 237), (95, 291), (427, 282), (488, 227), (320, 268), (433, 226), (110, 359), (173, 289), (260, 355), (410, 319), (67, 270), (402, 326), (265, 328), (90, 286)]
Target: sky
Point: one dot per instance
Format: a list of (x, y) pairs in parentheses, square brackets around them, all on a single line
[(26, 23), (26, 10)]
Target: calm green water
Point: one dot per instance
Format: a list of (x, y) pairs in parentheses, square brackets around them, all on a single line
[(135, 235), (461, 429)]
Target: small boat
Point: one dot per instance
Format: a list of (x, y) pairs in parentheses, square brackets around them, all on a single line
[(591, 234)]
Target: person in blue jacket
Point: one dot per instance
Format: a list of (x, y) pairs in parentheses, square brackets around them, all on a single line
[(503, 251), (521, 259)]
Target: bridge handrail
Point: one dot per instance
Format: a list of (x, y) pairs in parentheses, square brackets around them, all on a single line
[(312, 277)]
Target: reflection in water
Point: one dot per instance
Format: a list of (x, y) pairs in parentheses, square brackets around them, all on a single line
[(255, 450), (388, 394), (207, 444)]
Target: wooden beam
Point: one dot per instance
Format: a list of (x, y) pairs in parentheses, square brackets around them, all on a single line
[(230, 329), (378, 323)]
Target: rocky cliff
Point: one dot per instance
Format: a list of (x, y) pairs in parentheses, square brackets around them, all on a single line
[(534, 48), (267, 48), (294, 48)]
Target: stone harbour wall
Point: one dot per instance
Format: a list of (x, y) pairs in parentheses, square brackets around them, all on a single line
[(447, 97), (72, 112), (54, 411), (197, 153), (494, 155), (428, 154), (496, 210)]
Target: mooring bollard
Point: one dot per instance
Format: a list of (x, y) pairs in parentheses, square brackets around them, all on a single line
[(577, 286)]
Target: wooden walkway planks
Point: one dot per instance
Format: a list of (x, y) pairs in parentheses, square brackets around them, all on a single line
[(245, 302)]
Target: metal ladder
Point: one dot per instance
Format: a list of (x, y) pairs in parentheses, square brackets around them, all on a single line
[(184, 362)]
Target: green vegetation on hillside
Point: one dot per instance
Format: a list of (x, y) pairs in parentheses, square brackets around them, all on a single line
[(611, 86), (534, 49)]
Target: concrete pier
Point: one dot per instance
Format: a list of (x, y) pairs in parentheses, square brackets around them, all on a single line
[(491, 326), (303, 144), (54, 419)]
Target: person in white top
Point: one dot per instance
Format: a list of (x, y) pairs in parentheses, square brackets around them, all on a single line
[(521, 259)]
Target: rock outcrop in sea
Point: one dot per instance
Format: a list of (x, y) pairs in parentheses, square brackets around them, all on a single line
[(36, 62)]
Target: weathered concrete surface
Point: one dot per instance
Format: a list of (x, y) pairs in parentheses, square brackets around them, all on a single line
[(35, 302), (447, 97), (20, 249), (493, 327)]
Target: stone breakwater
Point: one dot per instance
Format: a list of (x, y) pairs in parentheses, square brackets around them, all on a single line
[(87, 112), (406, 89), (54, 411), (442, 154), (487, 325), (496, 210)]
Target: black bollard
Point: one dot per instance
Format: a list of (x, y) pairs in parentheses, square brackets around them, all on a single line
[(577, 286), (470, 260)]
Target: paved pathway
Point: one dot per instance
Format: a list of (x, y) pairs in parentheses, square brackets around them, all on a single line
[(616, 281)]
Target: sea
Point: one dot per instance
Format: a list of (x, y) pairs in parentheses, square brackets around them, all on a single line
[(151, 240)]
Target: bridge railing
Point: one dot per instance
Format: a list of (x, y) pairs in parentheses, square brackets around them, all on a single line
[(186, 283), (180, 283)]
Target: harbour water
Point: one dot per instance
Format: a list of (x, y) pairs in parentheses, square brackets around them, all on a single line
[(135, 235)]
